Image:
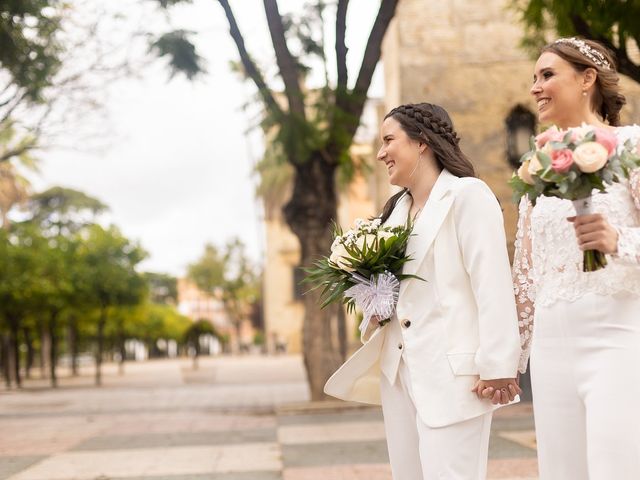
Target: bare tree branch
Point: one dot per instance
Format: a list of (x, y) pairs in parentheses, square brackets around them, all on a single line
[(12, 103), (353, 104), (17, 151), (323, 43), (341, 47), (286, 63), (373, 50), (248, 64)]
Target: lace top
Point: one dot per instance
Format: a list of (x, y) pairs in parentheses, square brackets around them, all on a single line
[(547, 263)]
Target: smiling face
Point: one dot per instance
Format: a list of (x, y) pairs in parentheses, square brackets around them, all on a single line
[(558, 89), (400, 153)]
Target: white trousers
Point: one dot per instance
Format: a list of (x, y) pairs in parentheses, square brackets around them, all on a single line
[(585, 376), (418, 452)]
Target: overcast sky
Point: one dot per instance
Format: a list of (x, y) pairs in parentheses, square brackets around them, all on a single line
[(177, 170)]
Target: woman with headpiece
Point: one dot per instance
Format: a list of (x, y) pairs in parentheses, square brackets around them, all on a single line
[(585, 341)]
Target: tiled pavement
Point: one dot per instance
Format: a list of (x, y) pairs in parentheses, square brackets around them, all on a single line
[(233, 419)]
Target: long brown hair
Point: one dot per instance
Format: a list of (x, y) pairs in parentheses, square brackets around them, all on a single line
[(430, 124), (607, 100)]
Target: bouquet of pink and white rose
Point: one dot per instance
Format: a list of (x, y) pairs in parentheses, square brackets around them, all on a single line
[(364, 269), (571, 164)]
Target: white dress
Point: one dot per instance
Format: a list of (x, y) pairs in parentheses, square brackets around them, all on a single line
[(583, 333)]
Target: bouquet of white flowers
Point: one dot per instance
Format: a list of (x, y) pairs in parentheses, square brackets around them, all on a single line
[(364, 269), (570, 164)]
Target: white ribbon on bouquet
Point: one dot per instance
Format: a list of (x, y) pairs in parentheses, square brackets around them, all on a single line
[(376, 296), (583, 206)]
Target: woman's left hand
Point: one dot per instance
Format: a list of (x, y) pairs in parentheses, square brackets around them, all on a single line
[(499, 391), (594, 232)]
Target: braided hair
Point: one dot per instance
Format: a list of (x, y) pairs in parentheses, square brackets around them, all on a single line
[(430, 124)]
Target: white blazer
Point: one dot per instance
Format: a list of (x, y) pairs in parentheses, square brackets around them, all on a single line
[(457, 324)]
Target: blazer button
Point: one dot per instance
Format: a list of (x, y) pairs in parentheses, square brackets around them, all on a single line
[(406, 323), (399, 346)]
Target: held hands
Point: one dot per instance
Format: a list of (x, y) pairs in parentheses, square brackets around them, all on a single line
[(499, 391), (594, 232)]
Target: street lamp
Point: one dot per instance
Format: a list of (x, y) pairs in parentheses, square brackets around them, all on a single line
[(521, 125)]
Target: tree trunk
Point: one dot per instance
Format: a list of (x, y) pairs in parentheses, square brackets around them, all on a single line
[(73, 343), (6, 362), (14, 328), (53, 351), (311, 221), (45, 347), (123, 352), (237, 326), (196, 353), (100, 344), (31, 351)]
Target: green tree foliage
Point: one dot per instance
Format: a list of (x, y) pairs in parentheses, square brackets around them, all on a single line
[(163, 288), (29, 59), (194, 332), (30, 50), (20, 266), (229, 275), (58, 269), (61, 214), (110, 277), (64, 211), (612, 22)]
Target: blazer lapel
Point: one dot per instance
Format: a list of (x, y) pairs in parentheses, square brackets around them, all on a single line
[(429, 222)]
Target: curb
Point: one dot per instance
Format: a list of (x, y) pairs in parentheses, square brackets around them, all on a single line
[(323, 406)]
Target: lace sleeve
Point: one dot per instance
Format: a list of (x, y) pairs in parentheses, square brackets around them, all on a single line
[(523, 286), (629, 237)]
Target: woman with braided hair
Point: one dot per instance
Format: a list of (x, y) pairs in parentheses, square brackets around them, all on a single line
[(454, 333), (585, 342)]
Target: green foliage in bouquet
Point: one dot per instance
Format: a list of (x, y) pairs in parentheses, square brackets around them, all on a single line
[(369, 254)]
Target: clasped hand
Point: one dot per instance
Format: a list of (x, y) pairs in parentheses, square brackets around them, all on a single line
[(594, 232), (499, 391)]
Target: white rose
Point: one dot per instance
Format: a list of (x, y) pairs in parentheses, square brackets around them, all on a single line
[(590, 157), (533, 165), (340, 257), (368, 239), (524, 174)]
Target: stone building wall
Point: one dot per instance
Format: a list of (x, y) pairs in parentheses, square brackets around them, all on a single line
[(464, 55)]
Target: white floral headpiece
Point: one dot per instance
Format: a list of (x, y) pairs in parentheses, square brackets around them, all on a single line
[(588, 51)]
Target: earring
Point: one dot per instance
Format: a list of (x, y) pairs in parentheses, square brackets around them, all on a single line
[(584, 93)]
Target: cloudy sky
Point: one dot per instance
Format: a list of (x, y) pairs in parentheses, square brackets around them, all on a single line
[(176, 163)]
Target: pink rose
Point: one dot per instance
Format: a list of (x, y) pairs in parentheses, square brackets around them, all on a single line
[(607, 139), (551, 134), (561, 160)]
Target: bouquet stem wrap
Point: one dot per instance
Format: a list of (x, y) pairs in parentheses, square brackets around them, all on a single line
[(376, 296), (593, 259)]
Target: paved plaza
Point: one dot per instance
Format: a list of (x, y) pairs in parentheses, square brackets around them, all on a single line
[(244, 418)]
